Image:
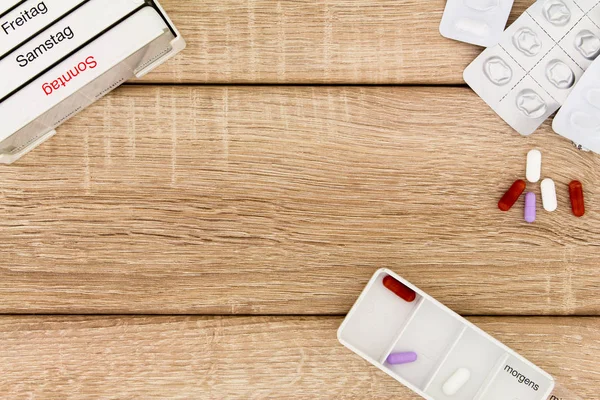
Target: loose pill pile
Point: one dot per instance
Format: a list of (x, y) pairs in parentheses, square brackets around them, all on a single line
[(533, 174)]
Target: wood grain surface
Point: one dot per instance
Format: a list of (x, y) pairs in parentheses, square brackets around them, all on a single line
[(284, 200), (245, 357), (316, 41)]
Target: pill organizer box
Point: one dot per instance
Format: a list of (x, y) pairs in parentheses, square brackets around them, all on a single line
[(68, 34), (131, 47), (540, 57), (448, 347), (479, 22), (28, 18), (8, 5), (579, 118)]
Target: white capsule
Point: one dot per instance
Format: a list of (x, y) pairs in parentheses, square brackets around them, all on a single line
[(534, 166), (549, 195), (456, 381)]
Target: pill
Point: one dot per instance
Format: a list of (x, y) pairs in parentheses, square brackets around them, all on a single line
[(549, 195), (576, 195), (534, 166), (512, 195), (456, 381), (402, 358), (399, 289), (530, 207)]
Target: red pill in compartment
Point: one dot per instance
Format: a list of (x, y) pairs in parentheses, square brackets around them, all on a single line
[(400, 289), (512, 195), (576, 195)]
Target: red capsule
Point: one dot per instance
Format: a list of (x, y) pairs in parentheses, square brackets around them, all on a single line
[(576, 195), (512, 195), (399, 289)]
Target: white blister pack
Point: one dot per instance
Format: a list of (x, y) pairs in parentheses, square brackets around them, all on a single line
[(532, 70), (579, 118), (452, 359), (479, 22)]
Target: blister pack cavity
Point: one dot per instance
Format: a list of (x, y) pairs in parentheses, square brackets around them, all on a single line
[(479, 22), (579, 118)]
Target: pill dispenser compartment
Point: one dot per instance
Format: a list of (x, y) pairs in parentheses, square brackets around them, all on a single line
[(430, 333), (434, 351), (376, 320), (475, 352), (516, 378)]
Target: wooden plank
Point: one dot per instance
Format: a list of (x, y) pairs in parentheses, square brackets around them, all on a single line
[(323, 41), (245, 357), (285, 200)]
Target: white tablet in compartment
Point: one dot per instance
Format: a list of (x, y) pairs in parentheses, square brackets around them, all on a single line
[(29, 18), (80, 79), (434, 351), (62, 38)]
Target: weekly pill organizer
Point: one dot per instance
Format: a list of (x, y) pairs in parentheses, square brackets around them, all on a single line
[(97, 51), (434, 351), (66, 35), (27, 18), (540, 57)]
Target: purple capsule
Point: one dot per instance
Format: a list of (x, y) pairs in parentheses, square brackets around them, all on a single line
[(402, 358), (530, 207)]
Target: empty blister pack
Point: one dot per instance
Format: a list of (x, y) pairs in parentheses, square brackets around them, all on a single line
[(479, 22), (434, 351), (530, 73), (579, 118)]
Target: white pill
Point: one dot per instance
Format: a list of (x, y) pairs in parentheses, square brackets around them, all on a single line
[(456, 381), (549, 195), (534, 166)]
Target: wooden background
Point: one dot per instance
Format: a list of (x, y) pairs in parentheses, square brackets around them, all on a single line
[(201, 233)]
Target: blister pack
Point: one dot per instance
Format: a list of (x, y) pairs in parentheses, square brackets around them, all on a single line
[(579, 118), (540, 57), (479, 22)]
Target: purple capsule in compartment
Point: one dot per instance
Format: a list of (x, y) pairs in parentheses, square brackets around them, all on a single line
[(402, 358), (530, 207)]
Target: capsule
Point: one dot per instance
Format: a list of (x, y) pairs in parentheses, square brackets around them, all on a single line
[(402, 358), (549, 195), (576, 195), (530, 207), (456, 381), (512, 195), (534, 166), (401, 290)]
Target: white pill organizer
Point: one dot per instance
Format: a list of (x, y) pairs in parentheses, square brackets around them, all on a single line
[(29, 17), (455, 360), (111, 42), (7, 5), (479, 22), (579, 118), (65, 36), (539, 59)]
